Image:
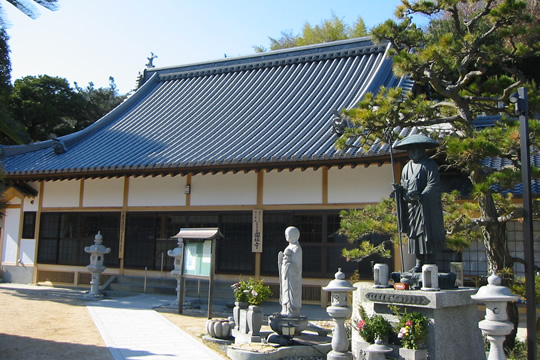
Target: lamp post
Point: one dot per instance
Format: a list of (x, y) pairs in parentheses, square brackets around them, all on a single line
[(96, 266), (339, 310), (178, 255), (496, 325), (522, 109)]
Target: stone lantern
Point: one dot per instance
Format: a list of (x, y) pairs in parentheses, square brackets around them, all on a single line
[(339, 310), (96, 267), (496, 325), (178, 255)]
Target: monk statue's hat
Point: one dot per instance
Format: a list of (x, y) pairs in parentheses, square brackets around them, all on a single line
[(420, 140)]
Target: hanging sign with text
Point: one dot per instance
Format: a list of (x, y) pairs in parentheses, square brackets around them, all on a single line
[(257, 237)]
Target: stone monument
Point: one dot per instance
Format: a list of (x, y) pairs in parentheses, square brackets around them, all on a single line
[(290, 282)]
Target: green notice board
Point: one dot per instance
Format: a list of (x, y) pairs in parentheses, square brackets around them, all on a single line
[(197, 258)]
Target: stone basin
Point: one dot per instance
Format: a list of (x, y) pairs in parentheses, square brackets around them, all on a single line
[(277, 321)]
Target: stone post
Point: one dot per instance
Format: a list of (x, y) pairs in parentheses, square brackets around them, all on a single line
[(496, 325), (178, 255), (380, 276), (339, 310), (96, 267), (430, 278)]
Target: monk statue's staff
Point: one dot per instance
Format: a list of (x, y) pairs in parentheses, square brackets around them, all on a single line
[(397, 189)]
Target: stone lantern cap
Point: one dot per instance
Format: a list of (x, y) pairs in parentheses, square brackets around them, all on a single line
[(494, 291), (339, 283)]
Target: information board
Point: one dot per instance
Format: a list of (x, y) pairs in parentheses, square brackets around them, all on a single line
[(197, 258)]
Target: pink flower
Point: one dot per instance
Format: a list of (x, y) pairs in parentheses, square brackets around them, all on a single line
[(409, 323), (361, 324)]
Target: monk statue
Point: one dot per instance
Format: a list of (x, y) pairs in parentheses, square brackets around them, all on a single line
[(290, 274), (418, 197)]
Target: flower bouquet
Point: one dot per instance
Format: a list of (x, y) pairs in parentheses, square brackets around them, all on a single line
[(412, 329)]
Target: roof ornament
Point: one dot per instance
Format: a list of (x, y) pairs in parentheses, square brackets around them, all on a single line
[(151, 60), (58, 145)]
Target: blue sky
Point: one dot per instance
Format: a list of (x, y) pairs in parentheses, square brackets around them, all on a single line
[(90, 40)]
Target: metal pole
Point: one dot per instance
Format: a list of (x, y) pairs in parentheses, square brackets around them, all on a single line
[(522, 107)]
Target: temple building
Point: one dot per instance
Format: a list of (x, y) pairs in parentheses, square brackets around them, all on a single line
[(213, 144)]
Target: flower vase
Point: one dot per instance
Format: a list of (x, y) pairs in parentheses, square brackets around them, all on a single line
[(236, 312), (412, 354), (254, 319)]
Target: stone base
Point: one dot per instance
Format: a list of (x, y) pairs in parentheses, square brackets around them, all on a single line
[(334, 355), (308, 346), (243, 338), (453, 317), (93, 297), (398, 353)]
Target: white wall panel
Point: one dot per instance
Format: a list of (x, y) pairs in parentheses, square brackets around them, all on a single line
[(103, 192), (293, 187), (224, 189), (63, 193), (157, 191), (361, 184), (28, 248), (11, 235)]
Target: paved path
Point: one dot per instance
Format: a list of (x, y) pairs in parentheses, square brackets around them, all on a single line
[(132, 330)]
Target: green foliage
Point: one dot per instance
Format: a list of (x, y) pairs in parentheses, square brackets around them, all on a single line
[(412, 328), (465, 63), (372, 328), (381, 219), (95, 103), (329, 30), (42, 104), (240, 290), (45, 105), (253, 291), (519, 352), (518, 287)]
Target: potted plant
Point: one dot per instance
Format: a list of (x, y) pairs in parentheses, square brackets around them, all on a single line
[(240, 290), (373, 327), (253, 293), (258, 293), (412, 331)]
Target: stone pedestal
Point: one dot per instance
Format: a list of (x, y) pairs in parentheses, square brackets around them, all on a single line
[(453, 318)]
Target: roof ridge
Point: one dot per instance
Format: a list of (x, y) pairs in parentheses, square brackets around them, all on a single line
[(301, 54)]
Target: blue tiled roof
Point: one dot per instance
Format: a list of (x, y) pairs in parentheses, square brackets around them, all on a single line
[(266, 110)]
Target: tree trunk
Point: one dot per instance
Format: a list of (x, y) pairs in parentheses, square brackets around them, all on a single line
[(494, 232)]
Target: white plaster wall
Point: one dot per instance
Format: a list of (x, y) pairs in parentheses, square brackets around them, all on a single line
[(28, 248), (63, 193), (157, 191), (293, 187), (359, 184), (224, 189), (103, 192), (11, 235)]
